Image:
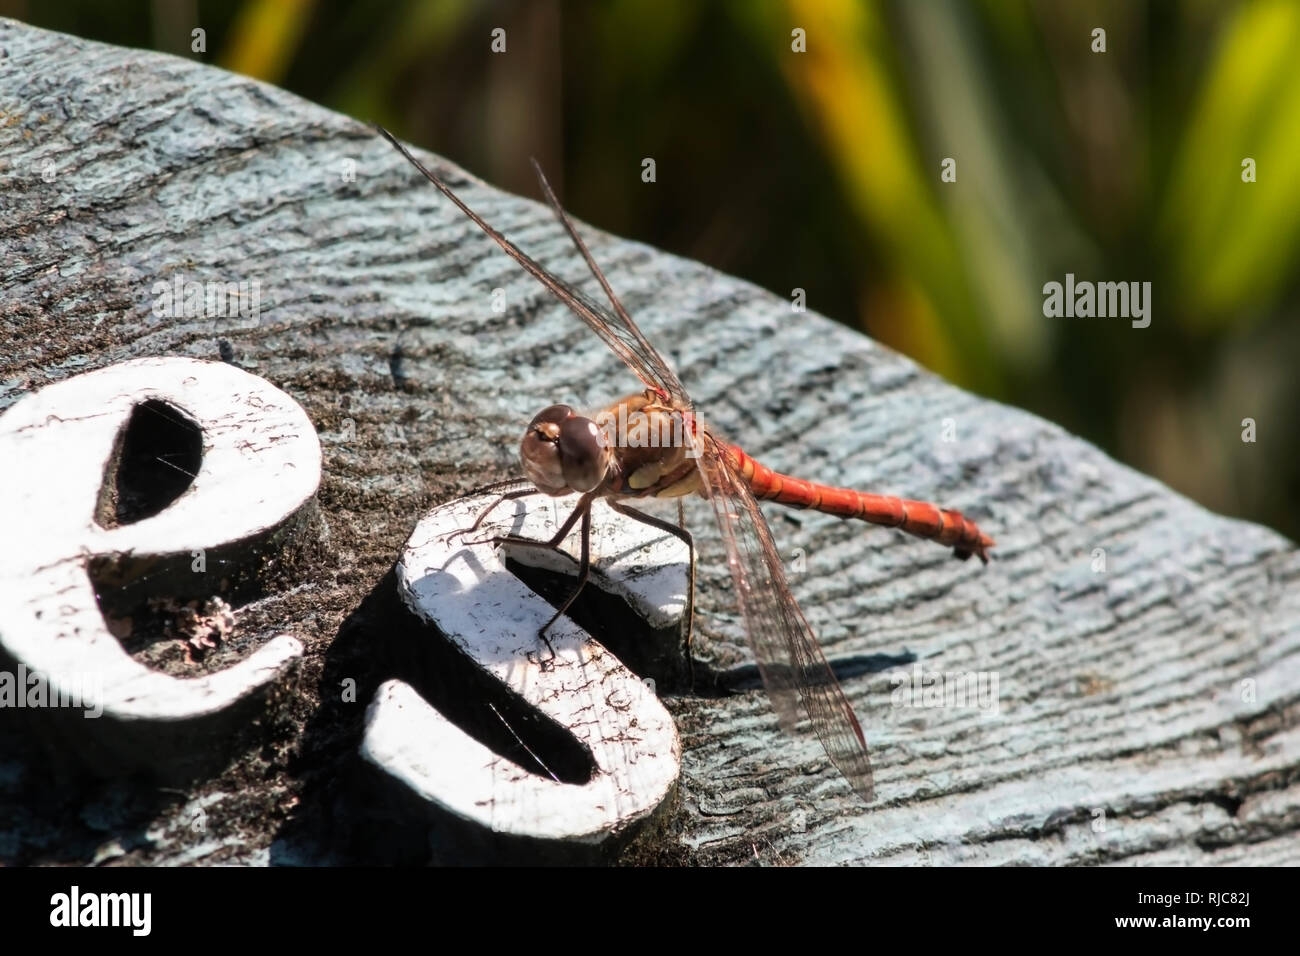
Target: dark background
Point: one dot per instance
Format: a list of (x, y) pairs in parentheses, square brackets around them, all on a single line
[(820, 170)]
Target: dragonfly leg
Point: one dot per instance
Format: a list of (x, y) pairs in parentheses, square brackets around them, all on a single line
[(584, 565), (524, 492), (690, 601), (677, 531), (520, 484), (580, 510)]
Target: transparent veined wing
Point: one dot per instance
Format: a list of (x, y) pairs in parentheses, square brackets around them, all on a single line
[(616, 329), (794, 669)]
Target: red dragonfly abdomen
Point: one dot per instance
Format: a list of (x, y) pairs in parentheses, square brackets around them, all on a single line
[(920, 518)]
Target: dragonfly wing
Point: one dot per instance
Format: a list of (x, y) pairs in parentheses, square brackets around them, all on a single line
[(619, 332), (790, 660), (619, 325), (627, 342)]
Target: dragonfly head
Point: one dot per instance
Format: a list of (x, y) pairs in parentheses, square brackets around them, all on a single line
[(563, 452)]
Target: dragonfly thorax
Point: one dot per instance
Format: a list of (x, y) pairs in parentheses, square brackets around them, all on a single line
[(562, 452)]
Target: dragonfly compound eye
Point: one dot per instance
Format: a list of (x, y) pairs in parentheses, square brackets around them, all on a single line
[(540, 450), (583, 456)]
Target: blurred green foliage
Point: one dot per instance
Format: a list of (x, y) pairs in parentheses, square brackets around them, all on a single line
[(821, 170)]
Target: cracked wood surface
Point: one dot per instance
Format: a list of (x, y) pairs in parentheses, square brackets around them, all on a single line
[(1145, 712)]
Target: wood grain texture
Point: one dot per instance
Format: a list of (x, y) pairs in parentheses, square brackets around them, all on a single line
[(1124, 732)]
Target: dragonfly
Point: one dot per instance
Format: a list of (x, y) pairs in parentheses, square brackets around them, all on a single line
[(564, 453)]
